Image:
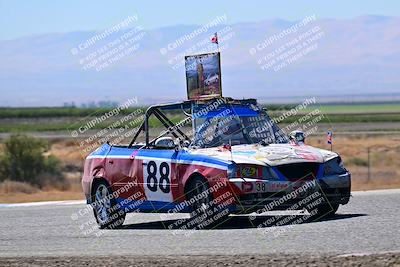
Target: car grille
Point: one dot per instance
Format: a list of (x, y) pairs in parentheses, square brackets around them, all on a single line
[(299, 171)]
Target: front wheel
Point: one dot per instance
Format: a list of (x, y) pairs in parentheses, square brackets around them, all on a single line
[(204, 212), (325, 211), (106, 210)]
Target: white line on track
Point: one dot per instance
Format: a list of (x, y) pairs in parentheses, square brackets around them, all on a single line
[(42, 203)]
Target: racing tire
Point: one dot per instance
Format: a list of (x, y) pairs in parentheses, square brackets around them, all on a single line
[(105, 208), (325, 211), (204, 214)]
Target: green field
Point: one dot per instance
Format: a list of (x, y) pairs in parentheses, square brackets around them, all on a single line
[(358, 108), (56, 112), (67, 119)]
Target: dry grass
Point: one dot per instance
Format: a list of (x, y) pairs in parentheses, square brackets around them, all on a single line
[(13, 187), (41, 196), (384, 159), (68, 152), (16, 192)]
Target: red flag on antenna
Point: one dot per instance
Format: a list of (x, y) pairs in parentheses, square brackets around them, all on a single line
[(214, 39)]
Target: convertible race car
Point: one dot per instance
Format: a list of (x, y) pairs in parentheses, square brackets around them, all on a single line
[(224, 157)]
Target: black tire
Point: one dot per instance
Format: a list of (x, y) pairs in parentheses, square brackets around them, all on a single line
[(106, 211), (204, 214), (325, 211)]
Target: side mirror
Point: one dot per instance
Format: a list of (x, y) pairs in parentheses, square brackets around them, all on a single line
[(165, 143), (297, 137)]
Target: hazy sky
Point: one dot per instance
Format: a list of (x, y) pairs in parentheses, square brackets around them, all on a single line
[(21, 17)]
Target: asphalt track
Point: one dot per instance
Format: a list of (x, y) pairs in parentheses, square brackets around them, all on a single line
[(369, 224)]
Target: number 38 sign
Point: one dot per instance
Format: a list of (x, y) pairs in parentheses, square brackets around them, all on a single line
[(157, 180)]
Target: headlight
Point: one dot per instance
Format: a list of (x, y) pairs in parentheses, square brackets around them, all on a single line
[(334, 166), (232, 170)]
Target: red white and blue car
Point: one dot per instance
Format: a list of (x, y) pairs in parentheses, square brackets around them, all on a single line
[(225, 155)]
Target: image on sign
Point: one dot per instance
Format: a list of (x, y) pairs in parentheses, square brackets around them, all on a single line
[(203, 76)]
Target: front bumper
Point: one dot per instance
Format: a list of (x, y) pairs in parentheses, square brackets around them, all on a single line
[(256, 194)]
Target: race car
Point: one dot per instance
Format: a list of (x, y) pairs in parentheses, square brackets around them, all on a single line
[(224, 157), (211, 79)]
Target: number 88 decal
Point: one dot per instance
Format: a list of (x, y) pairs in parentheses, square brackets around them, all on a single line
[(153, 183)]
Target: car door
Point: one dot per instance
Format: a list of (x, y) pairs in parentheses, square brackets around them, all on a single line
[(159, 175)]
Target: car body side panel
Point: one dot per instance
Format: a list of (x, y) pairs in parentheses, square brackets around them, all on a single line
[(93, 168), (120, 171), (123, 167)]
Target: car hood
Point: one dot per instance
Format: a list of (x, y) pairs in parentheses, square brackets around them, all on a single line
[(272, 155)]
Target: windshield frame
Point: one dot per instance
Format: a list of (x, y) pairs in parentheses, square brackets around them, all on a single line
[(241, 114)]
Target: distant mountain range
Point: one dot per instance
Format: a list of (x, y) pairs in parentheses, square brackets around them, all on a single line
[(353, 58)]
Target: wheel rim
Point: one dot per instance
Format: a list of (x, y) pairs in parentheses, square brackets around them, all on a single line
[(103, 203)]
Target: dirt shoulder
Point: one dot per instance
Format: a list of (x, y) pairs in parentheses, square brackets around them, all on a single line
[(41, 196), (388, 259)]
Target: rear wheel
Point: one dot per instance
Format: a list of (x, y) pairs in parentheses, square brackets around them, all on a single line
[(106, 210)]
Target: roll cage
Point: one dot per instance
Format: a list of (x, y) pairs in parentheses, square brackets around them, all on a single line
[(187, 108)]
